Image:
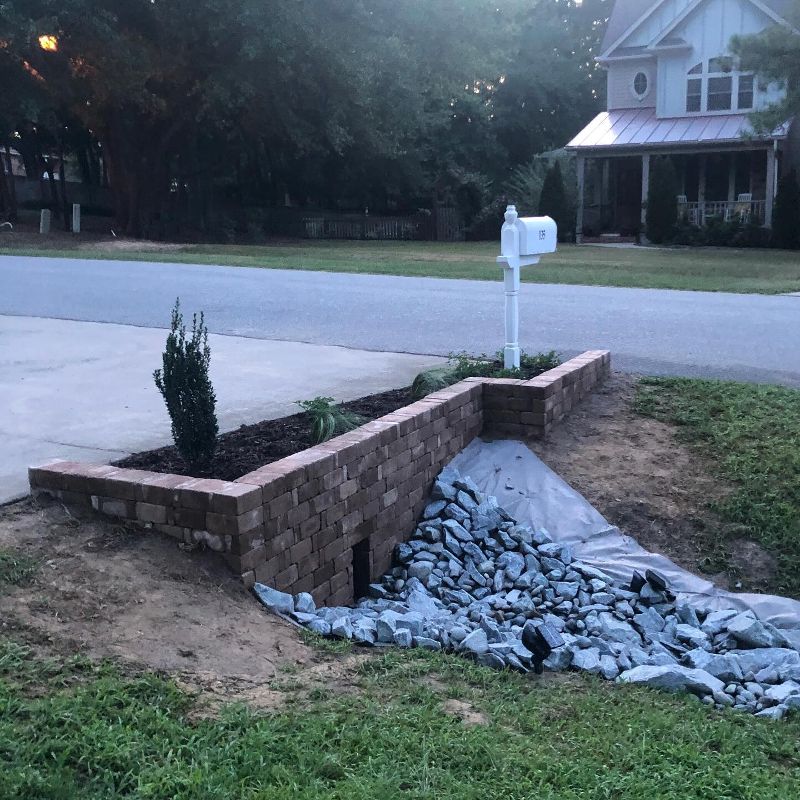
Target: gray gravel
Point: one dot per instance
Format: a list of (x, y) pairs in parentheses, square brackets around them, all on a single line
[(737, 336), (511, 598)]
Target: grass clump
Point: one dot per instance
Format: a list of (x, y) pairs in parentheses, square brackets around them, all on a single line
[(328, 419), (752, 434), (389, 734), (16, 569), (463, 365)]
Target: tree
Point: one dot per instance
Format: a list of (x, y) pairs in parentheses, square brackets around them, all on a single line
[(786, 215), (662, 200), (365, 103), (552, 84), (774, 55), (553, 202)]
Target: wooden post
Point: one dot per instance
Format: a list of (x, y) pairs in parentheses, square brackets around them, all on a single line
[(44, 221), (645, 186), (605, 185), (701, 191), (581, 169), (76, 217), (732, 178), (770, 187)]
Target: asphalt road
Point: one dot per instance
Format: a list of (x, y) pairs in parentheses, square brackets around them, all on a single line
[(737, 336)]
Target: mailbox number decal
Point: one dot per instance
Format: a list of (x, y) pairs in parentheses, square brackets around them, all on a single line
[(542, 235)]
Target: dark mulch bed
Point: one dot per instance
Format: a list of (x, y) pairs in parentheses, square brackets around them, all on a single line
[(252, 446)]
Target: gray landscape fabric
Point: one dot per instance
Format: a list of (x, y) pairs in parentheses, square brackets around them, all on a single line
[(535, 495)]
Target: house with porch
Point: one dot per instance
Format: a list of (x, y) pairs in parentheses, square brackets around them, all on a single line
[(675, 89)]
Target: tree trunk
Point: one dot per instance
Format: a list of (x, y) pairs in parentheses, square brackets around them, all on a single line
[(62, 179), (5, 191), (14, 210), (55, 205)]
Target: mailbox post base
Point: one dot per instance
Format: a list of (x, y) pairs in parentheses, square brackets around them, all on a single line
[(511, 354)]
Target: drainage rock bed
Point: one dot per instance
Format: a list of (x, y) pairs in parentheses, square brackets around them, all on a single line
[(473, 581), (253, 446)]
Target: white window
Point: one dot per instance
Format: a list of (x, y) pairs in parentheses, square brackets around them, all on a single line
[(716, 85), (719, 93), (745, 96)]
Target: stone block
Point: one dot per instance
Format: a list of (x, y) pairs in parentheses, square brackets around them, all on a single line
[(150, 512)]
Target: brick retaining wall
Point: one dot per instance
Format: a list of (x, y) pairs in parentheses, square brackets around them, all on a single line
[(327, 517)]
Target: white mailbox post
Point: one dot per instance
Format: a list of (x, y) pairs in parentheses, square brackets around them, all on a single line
[(522, 241)]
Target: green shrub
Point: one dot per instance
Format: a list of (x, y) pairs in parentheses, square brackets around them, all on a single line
[(786, 215), (687, 234), (431, 380), (186, 387), (554, 203), (662, 201), (718, 233), (463, 365), (328, 419)]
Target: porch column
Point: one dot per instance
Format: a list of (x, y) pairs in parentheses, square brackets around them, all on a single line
[(770, 187), (701, 181), (732, 178), (645, 185), (580, 166)]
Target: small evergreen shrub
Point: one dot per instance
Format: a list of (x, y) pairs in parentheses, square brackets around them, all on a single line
[(186, 387), (554, 203), (328, 419), (662, 201), (786, 214)]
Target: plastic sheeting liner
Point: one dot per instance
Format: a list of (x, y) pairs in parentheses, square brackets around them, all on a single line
[(534, 495)]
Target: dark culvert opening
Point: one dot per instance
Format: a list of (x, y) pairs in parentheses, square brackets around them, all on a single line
[(361, 578)]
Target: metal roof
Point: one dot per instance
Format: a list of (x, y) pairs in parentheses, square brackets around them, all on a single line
[(640, 127), (623, 15)]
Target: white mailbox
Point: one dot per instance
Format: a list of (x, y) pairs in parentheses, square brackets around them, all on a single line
[(522, 241), (537, 235), (522, 237)]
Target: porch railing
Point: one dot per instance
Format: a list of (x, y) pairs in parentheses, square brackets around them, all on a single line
[(743, 211)]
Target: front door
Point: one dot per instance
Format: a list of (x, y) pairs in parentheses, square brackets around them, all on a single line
[(628, 200)]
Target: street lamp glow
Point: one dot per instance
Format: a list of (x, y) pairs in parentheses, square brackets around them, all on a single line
[(48, 42)]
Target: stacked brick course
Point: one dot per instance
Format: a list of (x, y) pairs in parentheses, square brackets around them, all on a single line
[(293, 524)]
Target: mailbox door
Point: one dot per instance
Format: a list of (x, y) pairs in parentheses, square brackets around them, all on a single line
[(537, 235)]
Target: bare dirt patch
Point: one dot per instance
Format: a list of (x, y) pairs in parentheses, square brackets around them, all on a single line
[(465, 712), (110, 590), (653, 487)]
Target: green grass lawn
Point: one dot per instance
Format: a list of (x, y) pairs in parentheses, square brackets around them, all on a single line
[(706, 269), (86, 732), (752, 434), (71, 729)]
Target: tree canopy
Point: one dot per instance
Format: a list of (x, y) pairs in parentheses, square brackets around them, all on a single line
[(343, 104), (774, 55)]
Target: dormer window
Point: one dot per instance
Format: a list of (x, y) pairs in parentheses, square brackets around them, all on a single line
[(746, 84), (715, 85), (719, 93)]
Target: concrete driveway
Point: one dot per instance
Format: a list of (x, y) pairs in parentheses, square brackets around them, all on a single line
[(85, 391)]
